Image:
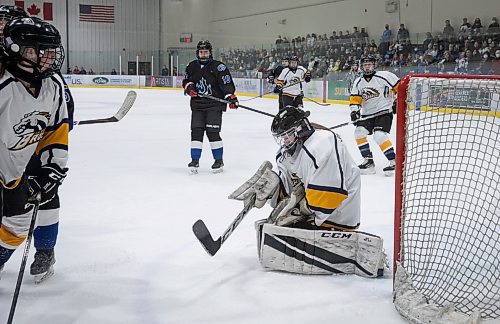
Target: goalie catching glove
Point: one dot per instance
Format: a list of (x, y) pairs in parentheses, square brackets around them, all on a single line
[(46, 182), (263, 185), (291, 209)]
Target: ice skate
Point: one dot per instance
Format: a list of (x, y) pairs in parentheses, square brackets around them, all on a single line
[(193, 166), (368, 166), (42, 267), (389, 170), (217, 166)]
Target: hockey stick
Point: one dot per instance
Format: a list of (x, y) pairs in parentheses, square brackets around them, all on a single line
[(272, 91), (125, 107), (361, 119), (203, 234), (316, 102), (239, 106), (25, 259)]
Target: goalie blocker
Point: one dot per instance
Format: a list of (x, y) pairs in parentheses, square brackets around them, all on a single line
[(319, 251)]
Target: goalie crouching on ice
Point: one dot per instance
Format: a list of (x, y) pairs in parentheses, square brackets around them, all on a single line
[(316, 201)]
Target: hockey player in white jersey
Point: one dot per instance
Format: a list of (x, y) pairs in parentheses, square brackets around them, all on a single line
[(316, 199), (292, 77), (33, 119), (372, 108)]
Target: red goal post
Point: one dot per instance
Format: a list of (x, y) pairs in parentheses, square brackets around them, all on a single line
[(448, 145)]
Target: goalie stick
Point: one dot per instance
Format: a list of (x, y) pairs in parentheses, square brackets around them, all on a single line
[(203, 234), (125, 107)]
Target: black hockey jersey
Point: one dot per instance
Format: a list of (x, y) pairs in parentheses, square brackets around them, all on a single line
[(276, 71), (212, 79)]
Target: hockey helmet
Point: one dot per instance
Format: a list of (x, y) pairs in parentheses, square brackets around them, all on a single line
[(368, 65), (22, 34), (294, 58), (7, 13), (204, 45), (290, 126), (285, 60)]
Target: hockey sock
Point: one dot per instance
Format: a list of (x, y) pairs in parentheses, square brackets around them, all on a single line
[(5, 254), (364, 147), (196, 147), (45, 237), (217, 149), (385, 144)]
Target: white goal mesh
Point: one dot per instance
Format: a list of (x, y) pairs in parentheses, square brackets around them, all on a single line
[(447, 234)]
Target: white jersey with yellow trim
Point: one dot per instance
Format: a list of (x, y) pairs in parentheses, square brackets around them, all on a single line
[(292, 79), (374, 95), (330, 177), (31, 123)]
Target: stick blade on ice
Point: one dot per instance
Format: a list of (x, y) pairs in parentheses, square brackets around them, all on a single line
[(201, 232)]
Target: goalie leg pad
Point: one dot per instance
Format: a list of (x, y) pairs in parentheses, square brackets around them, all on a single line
[(319, 252)]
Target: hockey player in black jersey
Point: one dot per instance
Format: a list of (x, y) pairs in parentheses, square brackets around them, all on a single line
[(206, 76)]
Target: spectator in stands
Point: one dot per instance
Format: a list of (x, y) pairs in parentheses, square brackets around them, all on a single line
[(83, 71), (448, 30), (91, 72), (355, 33), (164, 70), (363, 34), (462, 63), (76, 70), (174, 72), (494, 27), (465, 27), (485, 65), (403, 33), (428, 40), (446, 64), (113, 72), (476, 26), (422, 64), (495, 63), (387, 34)]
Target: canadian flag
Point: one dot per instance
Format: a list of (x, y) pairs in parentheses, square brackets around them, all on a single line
[(36, 8)]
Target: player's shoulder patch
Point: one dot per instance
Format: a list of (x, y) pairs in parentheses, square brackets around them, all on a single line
[(221, 67)]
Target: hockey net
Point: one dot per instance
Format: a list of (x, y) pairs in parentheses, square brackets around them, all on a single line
[(447, 211)]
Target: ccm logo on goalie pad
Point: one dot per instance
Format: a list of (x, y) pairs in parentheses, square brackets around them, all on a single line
[(336, 235)]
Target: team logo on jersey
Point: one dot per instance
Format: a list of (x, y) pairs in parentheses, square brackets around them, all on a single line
[(203, 87), (30, 129), (294, 79), (369, 93), (221, 67)]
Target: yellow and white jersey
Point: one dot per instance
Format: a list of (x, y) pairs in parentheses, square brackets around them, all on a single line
[(288, 77), (375, 94), (31, 122), (330, 177)]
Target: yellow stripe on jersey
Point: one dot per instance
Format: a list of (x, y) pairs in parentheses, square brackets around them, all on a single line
[(280, 82), (10, 239), (395, 88), (355, 100), (361, 141), (386, 145), (57, 136), (12, 184), (324, 198)]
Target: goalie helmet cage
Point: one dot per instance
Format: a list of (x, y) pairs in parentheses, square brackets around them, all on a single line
[(447, 213)]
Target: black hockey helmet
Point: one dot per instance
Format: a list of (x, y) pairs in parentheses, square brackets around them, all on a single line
[(285, 60), (21, 34), (368, 59), (204, 45), (7, 13), (293, 58), (290, 126)]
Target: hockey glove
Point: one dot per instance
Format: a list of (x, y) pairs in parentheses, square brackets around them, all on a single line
[(263, 185), (233, 101), (278, 88), (355, 115), (270, 79), (394, 106), (307, 76), (190, 89), (49, 178)]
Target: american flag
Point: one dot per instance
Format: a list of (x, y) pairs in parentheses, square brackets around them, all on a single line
[(97, 13)]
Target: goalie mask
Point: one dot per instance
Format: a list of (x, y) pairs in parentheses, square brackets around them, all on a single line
[(6, 14), (368, 64), (204, 51), (34, 45), (291, 126)]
